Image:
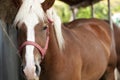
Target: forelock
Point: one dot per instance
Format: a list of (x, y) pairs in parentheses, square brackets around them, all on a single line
[(29, 8)]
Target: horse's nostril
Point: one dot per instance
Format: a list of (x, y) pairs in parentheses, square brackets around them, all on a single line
[(37, 70), (22, 67), (21, 70)]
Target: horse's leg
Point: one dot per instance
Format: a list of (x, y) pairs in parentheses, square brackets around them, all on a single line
[(117, 70), (109, 73), (117, 74)]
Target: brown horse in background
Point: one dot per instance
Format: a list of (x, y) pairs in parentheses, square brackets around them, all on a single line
[(8, 10), (83, 50)]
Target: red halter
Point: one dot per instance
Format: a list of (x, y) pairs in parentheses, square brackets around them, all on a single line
[(42, 51)]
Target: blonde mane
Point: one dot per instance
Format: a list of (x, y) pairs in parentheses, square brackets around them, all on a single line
[(57, 26)]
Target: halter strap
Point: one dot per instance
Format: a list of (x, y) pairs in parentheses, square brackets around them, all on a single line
[(41, 50)]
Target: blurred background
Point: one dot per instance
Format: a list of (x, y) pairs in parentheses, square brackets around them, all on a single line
[(100, 11)]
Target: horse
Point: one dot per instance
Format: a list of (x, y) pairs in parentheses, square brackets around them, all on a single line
[(84, 50)]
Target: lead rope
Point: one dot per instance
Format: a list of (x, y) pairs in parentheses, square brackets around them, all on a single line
[(6, 34)]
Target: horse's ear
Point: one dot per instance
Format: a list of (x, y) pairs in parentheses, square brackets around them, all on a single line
[(47, 4)]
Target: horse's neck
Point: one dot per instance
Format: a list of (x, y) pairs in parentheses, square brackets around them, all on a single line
[(52, 55), (53, 51)]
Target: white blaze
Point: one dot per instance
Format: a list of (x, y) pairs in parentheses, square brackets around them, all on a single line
[(30, 13), (30, 21)]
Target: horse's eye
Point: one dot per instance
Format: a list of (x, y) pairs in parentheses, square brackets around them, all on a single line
[(45, 27)]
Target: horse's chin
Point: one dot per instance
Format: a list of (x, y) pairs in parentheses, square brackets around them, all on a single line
[(36, 78)]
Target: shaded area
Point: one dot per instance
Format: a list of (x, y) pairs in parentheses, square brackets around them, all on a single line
[(80, 3), (9, 59)]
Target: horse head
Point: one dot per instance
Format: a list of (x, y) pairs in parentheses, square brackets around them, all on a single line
[(33, 24)]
